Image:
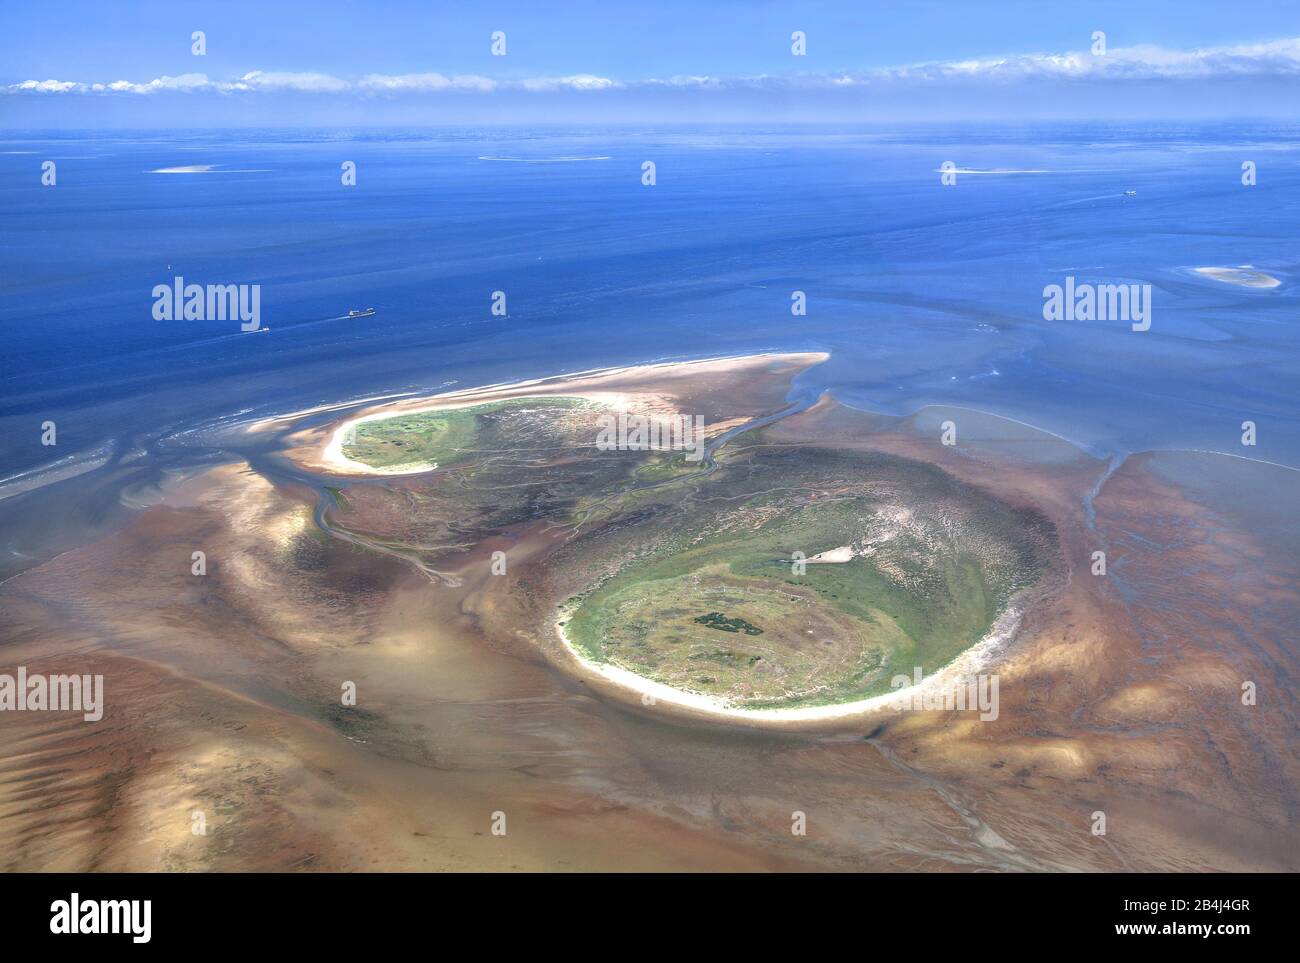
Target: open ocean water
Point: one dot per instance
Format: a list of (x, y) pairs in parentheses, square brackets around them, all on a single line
[(924, 293)]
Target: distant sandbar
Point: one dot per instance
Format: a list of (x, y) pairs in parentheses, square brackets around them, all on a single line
[(1244, 276)]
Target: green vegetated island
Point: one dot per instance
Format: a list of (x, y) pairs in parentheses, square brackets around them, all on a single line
[(688, 575), (443, 437)]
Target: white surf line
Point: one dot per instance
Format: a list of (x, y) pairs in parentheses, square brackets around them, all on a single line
[(543, 160), (1034, 170), (207, 169), (70, 466), (1015, 421), (335, 406), (999, 170), (1083, 449), (971, 661), (1208, 451)]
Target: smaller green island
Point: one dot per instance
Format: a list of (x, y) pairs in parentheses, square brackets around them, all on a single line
[(445, 436)]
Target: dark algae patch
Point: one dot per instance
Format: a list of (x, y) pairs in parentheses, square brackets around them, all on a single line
[(716, 620)]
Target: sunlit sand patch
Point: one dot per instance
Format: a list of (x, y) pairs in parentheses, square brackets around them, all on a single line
[(1244, 276), (185, 169), (206, 169), (835, 556)]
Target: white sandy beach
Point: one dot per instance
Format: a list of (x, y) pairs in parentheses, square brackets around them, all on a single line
[(973, 661)]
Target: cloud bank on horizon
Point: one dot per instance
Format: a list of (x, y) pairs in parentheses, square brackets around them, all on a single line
[(1277, 58), (81, 64)]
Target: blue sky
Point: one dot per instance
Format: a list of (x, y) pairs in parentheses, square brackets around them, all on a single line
[(288, 61)]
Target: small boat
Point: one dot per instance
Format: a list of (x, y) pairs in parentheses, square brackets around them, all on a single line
[(361, 314), (1130, 193)]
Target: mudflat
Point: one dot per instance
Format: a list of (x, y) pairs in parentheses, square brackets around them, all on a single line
[(436, 595)]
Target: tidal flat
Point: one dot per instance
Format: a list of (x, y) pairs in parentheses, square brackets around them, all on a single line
[(223, 691)]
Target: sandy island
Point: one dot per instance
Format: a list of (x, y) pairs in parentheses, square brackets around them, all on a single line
[(640, 388), (647, 388), (1244, 276)]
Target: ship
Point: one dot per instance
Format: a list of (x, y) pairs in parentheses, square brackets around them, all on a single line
[(354, 313)]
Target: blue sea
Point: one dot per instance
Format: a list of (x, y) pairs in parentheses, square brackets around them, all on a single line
[(923, 293)]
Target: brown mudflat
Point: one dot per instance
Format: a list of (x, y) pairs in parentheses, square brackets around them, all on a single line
[(1120, 694)]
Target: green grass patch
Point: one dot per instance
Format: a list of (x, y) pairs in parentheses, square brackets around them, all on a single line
[(435, 437)]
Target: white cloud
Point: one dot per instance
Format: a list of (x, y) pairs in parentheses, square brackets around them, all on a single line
[(573, 82), (692, 80), (180, 82), (1143, 62), (415, 82), (261, 80), (441, 82), (281, 80), (46, 86)]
